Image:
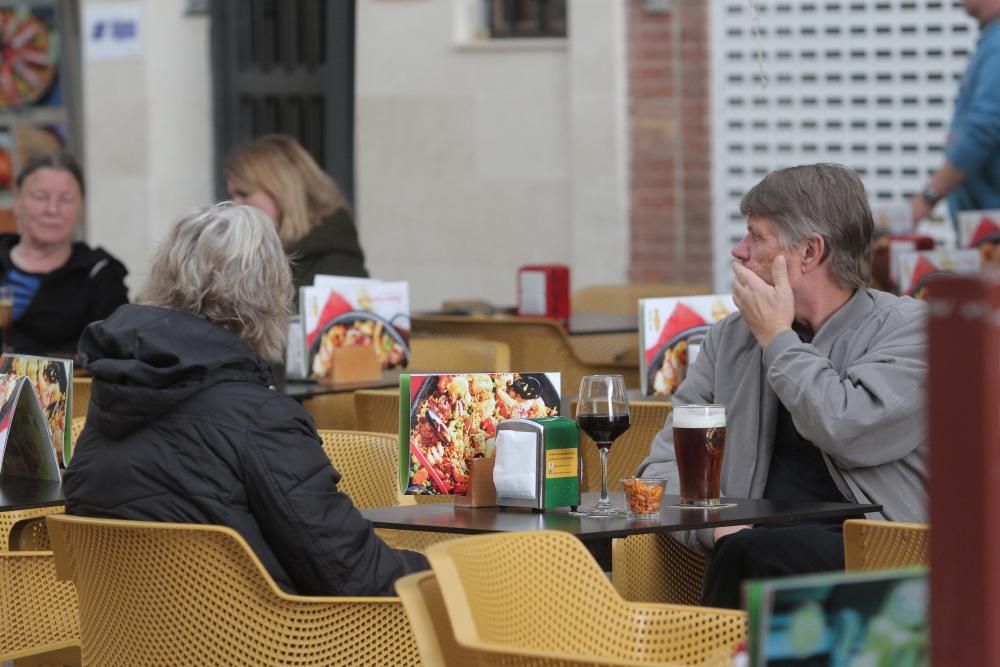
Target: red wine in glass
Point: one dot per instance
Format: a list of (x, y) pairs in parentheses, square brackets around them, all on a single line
[(604, 428), (602, 413)]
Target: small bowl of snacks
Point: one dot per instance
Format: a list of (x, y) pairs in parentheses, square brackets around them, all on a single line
[(643, 497)]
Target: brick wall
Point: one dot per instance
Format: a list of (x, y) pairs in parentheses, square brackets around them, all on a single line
[(669, 132)]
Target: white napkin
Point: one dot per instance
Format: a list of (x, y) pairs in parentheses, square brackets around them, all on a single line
[(515, 467)]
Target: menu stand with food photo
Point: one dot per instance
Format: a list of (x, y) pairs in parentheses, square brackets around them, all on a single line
[(52, 379), (671, 331), (981, 230), (354, 328), (449, 420), (26, 449), (913, 270)]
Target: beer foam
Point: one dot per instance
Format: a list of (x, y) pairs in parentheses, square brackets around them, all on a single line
[(699, 418)]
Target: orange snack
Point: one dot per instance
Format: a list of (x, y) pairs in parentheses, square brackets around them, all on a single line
[(643, 496)]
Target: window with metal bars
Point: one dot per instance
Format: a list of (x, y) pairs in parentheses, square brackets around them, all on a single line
[(526, 18)]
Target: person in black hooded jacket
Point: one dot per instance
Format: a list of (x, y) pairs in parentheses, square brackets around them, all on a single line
[(185, 424), (60, 286)]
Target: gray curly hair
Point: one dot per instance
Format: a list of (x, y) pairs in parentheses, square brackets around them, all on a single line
[(225, 263)]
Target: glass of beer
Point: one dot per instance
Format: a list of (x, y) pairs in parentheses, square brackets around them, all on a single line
[(6, 317), (699, 443)]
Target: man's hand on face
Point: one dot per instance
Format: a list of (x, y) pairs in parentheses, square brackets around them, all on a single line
[(768, 310)]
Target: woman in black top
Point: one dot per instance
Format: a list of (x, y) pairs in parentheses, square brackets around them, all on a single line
[(60, 286)]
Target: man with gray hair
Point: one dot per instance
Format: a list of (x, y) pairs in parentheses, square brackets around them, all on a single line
[(822, 378)]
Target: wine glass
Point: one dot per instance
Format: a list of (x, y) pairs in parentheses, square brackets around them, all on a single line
[(602, 413)]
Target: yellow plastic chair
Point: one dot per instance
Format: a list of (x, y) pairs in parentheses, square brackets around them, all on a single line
[(39, 615), (536, 344), (377, 410), (14, 523), (540, 597), (332, 411), (155, 593), (424, 605), (77, 429), (624, 299), (881, 545), (81, 396), (629, 450), (655, 567), (368, 464), (617, 349), (452, 354), (369, 467)]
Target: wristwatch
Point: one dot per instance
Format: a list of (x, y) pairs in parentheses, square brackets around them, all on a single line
[(930, 195)]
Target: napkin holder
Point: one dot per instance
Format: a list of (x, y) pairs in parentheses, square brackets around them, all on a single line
[(537, 463), (480, 492), (543, 290)]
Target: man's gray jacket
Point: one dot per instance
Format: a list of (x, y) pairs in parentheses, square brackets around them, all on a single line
[(857, 392)]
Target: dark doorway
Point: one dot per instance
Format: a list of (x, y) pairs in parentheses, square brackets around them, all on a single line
[(286, 66)]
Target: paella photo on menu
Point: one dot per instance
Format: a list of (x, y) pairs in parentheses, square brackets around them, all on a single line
[(447, 420), (351, 312), (672, 329)]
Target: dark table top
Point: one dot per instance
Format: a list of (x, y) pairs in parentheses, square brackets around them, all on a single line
[(300, 390), (579, 324), (19, 493), (445, 517)]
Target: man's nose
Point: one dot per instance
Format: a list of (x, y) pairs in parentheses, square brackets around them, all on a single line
[(740, 251)]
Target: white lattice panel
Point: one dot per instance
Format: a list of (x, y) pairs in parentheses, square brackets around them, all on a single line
[(866, 83)]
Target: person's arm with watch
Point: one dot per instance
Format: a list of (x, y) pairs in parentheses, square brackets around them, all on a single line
[(944, 180)]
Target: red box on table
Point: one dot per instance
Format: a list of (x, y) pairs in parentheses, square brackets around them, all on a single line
[(543, 290)]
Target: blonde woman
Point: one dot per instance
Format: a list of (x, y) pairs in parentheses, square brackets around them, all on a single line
[(185, 424), (275, 174)]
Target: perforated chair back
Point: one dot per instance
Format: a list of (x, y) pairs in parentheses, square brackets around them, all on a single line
[(623, 299), (881, 545), (629, 450), (16, 523), (161, 593), (540, 594), (429, 621), (453, 354), (368, 464), (39, 613), (655, 567), (535, 345), (81, 396), (377, 410), (77, 429)]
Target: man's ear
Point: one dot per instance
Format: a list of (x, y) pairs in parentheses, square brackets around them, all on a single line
[(813, 253)]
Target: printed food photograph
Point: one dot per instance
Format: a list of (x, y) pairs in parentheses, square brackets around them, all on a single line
[(358, 314), (673, 329), (453, 419), (359, 330), (49, 377)]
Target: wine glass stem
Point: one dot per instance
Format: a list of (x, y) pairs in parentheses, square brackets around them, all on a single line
[(604, 501)]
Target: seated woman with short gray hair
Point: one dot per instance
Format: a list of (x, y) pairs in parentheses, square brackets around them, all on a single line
[(185, 424)]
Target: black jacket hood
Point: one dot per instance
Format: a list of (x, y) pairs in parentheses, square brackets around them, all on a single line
[(145, 360)]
